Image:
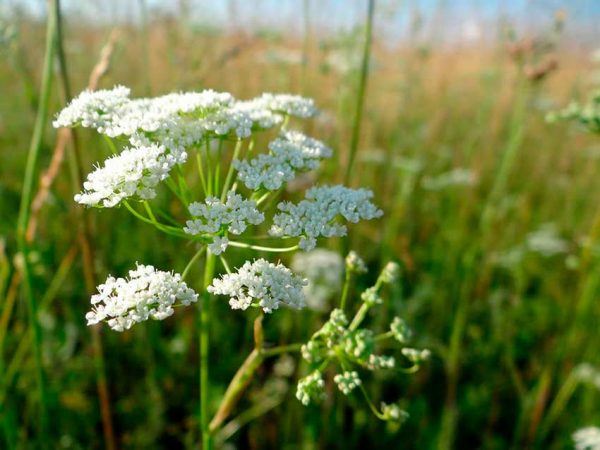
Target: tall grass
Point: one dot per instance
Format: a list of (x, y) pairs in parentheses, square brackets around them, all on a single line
[(507, 324)]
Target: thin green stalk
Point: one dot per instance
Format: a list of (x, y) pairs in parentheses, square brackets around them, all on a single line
[(360, 95), (558, 405), (217, 179), (201, 173), (225, 264), (173, 231), (192, 262), (209, 168), (209, 270), (345, 289), (263, 249), (359, 317), (229, 177), (237, 386), (25, 211), (290, 348)]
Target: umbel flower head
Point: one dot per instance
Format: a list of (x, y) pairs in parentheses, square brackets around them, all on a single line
[(320, 213), (587, 438), (289, 153), (214, 216), (161, 129), (262, 284), (147, 293), (342, 342), (133, 173), (324, 270)]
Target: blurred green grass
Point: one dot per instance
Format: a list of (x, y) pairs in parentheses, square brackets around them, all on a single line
[(528, 296)]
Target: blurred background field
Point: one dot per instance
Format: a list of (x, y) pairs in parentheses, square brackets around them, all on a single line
[(492, 212)]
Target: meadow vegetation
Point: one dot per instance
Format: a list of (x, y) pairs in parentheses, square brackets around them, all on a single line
[(490, 210)]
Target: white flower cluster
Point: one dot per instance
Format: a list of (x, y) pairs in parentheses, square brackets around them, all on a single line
[(318, 214), (113, 113), (587, 438), (377, 362), (171, 122), (292, 105), (214, 216), (94, 109), (324, 270), (147, 293), (354, 263), (546, 241), (290, 152), (311, 387), (390, 273), (455, 177), (133, 173), (269, 284), (416, 356), (393, 413), (400, 330), (347, 381), (371, 296), (586, 373)]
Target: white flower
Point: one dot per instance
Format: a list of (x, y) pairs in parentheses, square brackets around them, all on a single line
[(381, 362), (148, 293), (324, 270), (393, 412), (133, 173), (400, 330), (354, 263), (546, 241), (93, 109), (234, 215), (319, 213), (390, 273), (347, 381), (219, 245), (261, 283), (455, 177), (416, 356), (371, 296), (587, 438), (292, 105), (311, 387), (292, 151)]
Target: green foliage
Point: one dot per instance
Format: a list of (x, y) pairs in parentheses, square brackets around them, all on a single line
[(526, 293)]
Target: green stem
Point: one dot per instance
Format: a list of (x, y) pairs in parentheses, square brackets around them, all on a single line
[(290, 348), (25, 211), (173, 231), (209, 168), (225, 264), (263, 249), (209, 270), (192, 261), (237, 386), (229, 177), (360, 96), (345, 289), (359, 317), (201, 173)]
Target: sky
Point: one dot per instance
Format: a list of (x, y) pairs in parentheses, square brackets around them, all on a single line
[(458, 19)]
